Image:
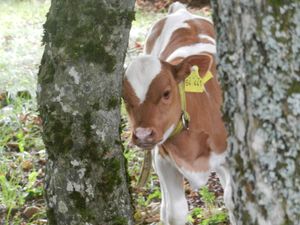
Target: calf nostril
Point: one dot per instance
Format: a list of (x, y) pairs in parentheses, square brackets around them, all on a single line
[(151, 133), (134, 136)]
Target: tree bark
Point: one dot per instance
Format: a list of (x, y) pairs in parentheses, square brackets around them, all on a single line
[(259, 52), (79, 88)]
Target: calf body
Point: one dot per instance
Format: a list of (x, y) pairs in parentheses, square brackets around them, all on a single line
[(175, 45)]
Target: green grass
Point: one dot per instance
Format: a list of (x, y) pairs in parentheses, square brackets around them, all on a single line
[(21, 146), (210, 213), (20, 44), (143, 22), (22, 157), (11, 193)]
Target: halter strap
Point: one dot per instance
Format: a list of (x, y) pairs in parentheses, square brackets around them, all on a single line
[(183, 123)]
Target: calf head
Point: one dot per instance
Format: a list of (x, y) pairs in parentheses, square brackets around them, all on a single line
[(152, 98)]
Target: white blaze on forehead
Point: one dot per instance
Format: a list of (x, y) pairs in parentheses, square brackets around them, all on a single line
[(140, 74)]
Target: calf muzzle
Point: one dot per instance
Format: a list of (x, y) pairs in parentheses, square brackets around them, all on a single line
[(144, 137)]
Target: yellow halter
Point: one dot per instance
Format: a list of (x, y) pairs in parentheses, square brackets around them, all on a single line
[(185, 117), (193, 83)]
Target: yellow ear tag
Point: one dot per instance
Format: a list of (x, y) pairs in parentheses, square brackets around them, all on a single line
[(195, 83)]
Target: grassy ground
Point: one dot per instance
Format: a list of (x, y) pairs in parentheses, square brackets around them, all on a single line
[(22, 153)]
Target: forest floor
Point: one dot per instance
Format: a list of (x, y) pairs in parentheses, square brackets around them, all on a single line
[(22, 152)]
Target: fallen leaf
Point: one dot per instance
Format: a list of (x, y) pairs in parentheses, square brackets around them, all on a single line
[(30, 211), (27, 165)]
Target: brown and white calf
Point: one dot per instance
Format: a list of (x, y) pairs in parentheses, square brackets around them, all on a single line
[(175, 45)]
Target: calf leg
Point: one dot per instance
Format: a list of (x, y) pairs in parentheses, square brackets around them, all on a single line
[(174, 208), (225, 179)]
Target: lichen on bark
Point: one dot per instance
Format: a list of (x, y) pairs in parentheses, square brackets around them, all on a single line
[(79, 87), (259, 51)]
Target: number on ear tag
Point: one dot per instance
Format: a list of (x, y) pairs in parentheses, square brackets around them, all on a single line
[(195, 83)]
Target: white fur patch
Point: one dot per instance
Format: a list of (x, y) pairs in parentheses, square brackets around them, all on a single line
[(167, 134), (194, 49), (225, 178), (196, 179), (216, 160), (175, 7), (209, 38), (173, 22), (174, 207), (140, 74)]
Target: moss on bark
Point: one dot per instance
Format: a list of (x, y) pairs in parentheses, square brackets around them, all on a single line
[(80, 81), (259, 51)]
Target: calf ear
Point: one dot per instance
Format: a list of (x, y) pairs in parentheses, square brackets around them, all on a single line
[(183, 69)]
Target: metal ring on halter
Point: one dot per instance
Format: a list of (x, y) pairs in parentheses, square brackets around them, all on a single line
[(185, 121)]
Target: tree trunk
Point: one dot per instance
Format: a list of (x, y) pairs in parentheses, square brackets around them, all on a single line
[(259, 53), (79, 88)]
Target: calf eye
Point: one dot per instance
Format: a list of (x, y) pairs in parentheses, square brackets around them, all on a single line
[(166, 94)]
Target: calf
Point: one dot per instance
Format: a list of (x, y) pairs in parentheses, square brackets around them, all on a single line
[(173, 101)]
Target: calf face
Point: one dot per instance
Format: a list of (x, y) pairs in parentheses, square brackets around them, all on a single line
[(152, 99)]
